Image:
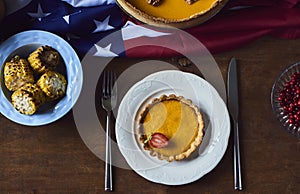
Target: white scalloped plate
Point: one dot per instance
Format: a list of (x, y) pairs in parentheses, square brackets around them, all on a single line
[(22, 44), (216, 118)]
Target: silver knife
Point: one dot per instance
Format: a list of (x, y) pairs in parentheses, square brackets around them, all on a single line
[(233, 106)]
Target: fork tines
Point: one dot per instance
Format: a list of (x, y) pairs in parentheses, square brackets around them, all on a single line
[(109, 78)]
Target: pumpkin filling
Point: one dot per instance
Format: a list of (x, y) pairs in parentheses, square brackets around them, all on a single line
[(178, 121), (174, 9)]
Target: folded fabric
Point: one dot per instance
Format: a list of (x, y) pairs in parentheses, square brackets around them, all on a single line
[(86, 24), (89, 3), (239, 23), (12, 6)]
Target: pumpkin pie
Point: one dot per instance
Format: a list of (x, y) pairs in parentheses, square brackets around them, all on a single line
[(172, 13), (171, 127)]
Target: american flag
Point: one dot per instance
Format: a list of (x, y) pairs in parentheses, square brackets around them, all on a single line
[(83, 23)]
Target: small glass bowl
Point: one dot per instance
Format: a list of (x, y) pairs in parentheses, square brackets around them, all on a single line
[(278, 86)]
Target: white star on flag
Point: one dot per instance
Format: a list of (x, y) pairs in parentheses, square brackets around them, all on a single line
[(104, 52), (67, 17), (39, 14), (102, 26)]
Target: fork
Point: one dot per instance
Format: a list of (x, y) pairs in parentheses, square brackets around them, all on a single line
[(109, 100)]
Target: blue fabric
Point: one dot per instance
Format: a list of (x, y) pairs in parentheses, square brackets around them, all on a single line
[(77, 25)]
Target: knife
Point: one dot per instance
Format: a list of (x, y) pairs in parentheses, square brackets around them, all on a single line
[(233, 106)]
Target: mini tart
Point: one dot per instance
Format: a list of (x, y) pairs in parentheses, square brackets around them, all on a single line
[(172, 13), (43, 59), (179, 120)]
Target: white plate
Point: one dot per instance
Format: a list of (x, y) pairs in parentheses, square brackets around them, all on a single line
[(24, 43), (216, 119)]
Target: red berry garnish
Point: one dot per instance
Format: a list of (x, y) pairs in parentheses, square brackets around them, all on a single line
[(157, 140), (289, 99)]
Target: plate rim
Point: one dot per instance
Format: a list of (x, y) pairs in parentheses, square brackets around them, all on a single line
[(225, 138)]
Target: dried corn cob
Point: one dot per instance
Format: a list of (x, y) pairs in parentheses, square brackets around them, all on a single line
[(17, 73), (53, 84), (43, 59), (28, 98)]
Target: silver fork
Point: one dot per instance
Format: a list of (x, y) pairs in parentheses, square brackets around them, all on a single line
[(109, 100)]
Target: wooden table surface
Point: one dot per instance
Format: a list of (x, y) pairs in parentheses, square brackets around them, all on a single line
[(54, 159)]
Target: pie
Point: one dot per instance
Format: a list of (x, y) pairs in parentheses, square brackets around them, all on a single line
[(172, 13), (173, 119)]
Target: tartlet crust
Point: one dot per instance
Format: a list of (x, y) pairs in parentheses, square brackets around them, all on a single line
[(193, 145)]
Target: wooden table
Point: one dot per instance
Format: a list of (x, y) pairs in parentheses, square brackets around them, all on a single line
[(54, 159)]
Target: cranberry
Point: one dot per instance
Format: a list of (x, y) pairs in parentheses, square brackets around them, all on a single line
[(289, 99)]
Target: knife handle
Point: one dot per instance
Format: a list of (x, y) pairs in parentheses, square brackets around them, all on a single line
[(236, 158)]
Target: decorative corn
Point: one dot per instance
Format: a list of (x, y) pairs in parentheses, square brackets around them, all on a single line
[(17, 73), (53, 84), (43, 59), (28, 98)]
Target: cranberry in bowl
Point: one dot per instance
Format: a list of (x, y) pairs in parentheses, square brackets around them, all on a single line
[(285, 99)]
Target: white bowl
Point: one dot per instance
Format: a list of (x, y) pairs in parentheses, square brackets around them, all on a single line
[(23, 44)]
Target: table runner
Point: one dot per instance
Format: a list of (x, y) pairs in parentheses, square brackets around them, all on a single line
[(83, 23)]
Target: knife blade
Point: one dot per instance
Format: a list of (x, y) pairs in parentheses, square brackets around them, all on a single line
[(233, 106)]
